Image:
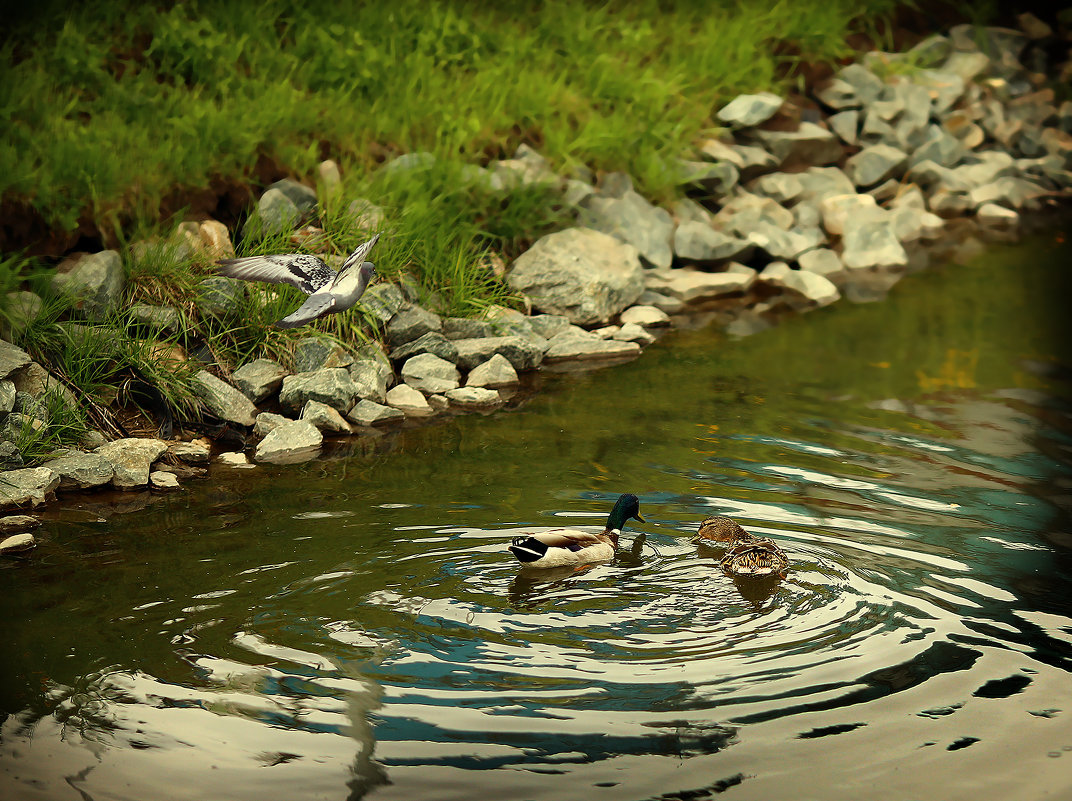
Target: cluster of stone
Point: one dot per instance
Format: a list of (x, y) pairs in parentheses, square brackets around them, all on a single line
[(795, 206)]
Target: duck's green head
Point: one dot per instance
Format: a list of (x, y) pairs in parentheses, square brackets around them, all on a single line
[(627, 506)]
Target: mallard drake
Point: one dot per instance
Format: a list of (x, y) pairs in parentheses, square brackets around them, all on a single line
[(747, 555), (563, 547)]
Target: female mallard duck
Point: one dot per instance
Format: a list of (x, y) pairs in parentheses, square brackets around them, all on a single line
[(566, 546), (747, 555)]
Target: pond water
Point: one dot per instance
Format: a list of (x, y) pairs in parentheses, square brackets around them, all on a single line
[(354, 627)]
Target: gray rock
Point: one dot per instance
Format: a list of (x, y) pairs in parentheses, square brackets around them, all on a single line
[(745, 111), (810, 288), (871, 243), (259, 379), (631, 332), (809, 144), (331, 385), (410, 161), (162, 480), (576, 192), (932, 50), (837, 209), (267, 422), (781, 244), (698, 241), (79, 470), (846, 125), (875, 164), (409, 401), (164, 318), (887, 190), (371, 379), (579, 273), (838, 94), (661, 301), (432, 343), (466, 328), (220, 297), (294, 440), (12, 359), (316, 353), (547, 325), (302, 196), (223, 400), (633, 220), (30, 486), (95, 283), (688, 210), (781, 187), (495, 372), (382, 301), (867, 86), (941, 147), (949, 203), (325, 418), (132, 459), (576, 343), (16, 524), (995, 216), (821, 182), (966, 66), (912, 224), (744, 212), (275, 214), (474, 396), (370, 413), (824, 262), (646, 316), (522, 353), (22, 309), (17, 542), (190, 453), (913, 124), (430, 374), (615, 184), (716, 178), (1015, 193), (689, 285), (945, 89), (410, 323), (234, 459), (876, 130), (363, 217)]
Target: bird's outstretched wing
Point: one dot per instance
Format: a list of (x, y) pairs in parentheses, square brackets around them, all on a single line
[(306, 272), (317, 305), (360, 252)]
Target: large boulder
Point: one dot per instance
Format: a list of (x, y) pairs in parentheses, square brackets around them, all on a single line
[(410, 323), (582, 274), (430, 374), (633, 220), (576, 343), (259, 379), (495, 372), (689, 285), (698, 241), (79, 470)]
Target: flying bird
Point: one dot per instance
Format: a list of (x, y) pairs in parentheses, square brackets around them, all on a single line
[(329, 292)]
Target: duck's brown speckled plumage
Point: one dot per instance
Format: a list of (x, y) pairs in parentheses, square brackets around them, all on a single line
[(747, 555)]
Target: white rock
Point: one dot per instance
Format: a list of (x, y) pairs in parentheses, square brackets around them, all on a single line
[(325, 418), (647, 316), (997, 216), (294, 440), (836, 209), (631, 332), (409, 401), (690, 285), (495, 372), (429, 373), (824, 262), (234, 459), (162, 480), (473, 396), (17, 542)]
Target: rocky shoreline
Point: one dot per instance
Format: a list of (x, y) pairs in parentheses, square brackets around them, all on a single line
[(798, 205)]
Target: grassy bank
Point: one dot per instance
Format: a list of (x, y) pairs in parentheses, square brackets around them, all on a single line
[(108, 110)]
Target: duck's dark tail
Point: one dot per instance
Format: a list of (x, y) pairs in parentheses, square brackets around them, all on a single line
[(527, 549)]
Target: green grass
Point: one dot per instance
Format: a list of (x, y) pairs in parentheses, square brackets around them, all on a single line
[(107, 109)]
